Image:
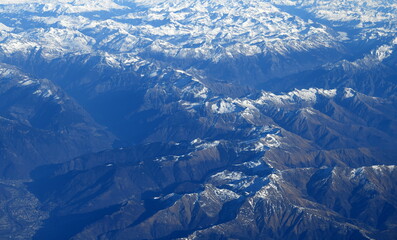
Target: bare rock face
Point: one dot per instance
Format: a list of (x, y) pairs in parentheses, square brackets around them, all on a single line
[(216, 193), (41, 124)]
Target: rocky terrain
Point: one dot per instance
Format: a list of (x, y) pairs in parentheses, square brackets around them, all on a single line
[(198, 119)]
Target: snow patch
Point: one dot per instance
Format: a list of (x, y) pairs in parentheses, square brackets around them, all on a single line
[(5, 28), (305, 95), (223, 107), (383, 52), (349, 93), (270, 141), (207, 145), (218, 194), (228, 176), (271, 189), (308, 110), (381, 169), (196, 141), (26, 82)]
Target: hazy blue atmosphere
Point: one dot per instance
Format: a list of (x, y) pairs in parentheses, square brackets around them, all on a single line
[(198, 119)]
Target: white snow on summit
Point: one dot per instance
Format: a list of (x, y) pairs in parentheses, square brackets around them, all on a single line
[(373, 17), (206, 29), (305, 95), (223, 107), (62, 6), (349, 93)]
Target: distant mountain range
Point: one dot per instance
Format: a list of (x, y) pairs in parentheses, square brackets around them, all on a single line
[(198, 119)]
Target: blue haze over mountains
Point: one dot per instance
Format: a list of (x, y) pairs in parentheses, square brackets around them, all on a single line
[(198, 119)]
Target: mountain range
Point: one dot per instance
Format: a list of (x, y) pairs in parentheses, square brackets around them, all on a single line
[(198, 119)]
